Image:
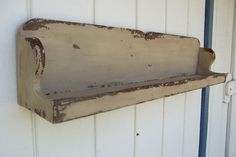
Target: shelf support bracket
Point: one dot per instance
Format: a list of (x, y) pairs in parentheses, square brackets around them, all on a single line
[(230, 88)]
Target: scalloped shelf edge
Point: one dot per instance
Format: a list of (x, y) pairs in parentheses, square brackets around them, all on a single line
[(68, 70)]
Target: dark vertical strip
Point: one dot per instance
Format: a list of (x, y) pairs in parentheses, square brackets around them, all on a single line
[(208, 28), (209, 11), (203, 123)]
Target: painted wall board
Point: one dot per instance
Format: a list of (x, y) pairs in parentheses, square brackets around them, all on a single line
[(73, 10), (145, 19), (195, 27), (115, 129), (176, 16), (149, 115), (115, 13), (15, 122), (149, 129), (9, 25), (196, 19), (115, 133), (194, 30), (174, 107), (217, 125), (173, 125), (192, 123), (231, 136), (72, 138), (222, 40), (15, 131)]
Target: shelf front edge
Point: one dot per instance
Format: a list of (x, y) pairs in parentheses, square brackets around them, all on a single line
[(72, 108)]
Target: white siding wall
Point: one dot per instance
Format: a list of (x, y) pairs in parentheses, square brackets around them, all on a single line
[(231, 139), (166, 127), (222, 44)]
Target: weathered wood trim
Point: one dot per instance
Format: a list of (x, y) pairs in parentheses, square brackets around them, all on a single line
[(69, 70)]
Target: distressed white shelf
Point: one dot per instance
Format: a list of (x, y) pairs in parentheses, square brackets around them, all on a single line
[(69, 70)]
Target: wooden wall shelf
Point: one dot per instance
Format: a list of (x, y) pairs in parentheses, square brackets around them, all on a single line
[(69, 70)]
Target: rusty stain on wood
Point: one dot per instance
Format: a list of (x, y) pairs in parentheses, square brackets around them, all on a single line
[(115, 67)]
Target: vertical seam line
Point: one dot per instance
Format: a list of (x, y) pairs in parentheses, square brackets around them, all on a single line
[(95, 134), (232, 69), (34, 135), (94, 11), (163, 127), (184, 121), (136, 14), (135, 106), (188, 5), (166, 15), (32, 115), (135, 130), (164, 101), (95, 116), (186, 94)]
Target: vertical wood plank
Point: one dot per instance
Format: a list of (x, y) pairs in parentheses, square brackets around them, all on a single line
[(149, 116), (222, 35), (115, 133), (11, 17), (196, 19), (192, 123), (195, 28), (151, 15), (15, 124), (173, 126), (73, 10), (232, 125), (119, 13), (149, 129), (15, 131), (232, 136), (174, 106), (217, 123), (75, 138), (222, 39), (176, 16), (115, 129)]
